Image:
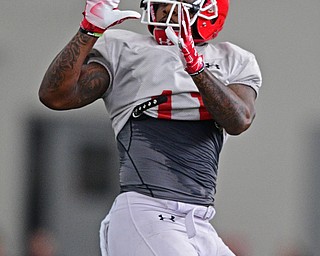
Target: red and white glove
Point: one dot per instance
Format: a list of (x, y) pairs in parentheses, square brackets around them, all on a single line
[(194, 62), (99, 15)]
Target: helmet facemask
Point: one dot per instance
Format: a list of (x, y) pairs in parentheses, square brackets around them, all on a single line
[(150, 8), (203, 15)]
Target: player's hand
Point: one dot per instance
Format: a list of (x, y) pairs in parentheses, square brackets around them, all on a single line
[(194, 62), (99, 15)]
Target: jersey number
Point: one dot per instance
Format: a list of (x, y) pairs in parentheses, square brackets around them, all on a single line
[(165, 109)]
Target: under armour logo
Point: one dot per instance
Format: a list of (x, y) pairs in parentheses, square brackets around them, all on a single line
[(166, 218), (209, 65), (165, 42)]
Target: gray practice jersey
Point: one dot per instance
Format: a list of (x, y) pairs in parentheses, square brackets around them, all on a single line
[(172, 152), (140, 69)]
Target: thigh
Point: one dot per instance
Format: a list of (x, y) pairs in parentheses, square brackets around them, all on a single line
[(224, 250), (214, 246), (147, 231)]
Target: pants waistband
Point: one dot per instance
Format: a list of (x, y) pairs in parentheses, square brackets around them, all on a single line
[(189, 211)]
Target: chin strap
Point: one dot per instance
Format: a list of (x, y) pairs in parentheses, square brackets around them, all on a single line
[(161, 37)]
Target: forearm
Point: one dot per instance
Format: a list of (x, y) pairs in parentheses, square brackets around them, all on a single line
[(63, 73), (223, 103)]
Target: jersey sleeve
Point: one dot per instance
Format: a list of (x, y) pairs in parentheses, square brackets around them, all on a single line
[(99, 55), (246, 71)]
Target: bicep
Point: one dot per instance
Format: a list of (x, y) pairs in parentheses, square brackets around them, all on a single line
[(92, 84)]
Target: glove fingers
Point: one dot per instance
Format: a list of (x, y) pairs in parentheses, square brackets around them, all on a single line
[(121, 16), (185, 29), (104, 14), (126, 14), (113, 3)]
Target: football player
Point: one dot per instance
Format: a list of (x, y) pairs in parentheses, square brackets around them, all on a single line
[(173, 97)]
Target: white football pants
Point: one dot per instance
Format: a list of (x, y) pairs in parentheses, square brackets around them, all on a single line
[(139, 225)]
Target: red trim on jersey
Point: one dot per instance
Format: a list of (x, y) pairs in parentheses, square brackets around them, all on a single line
[(204, 114), (165, 109)]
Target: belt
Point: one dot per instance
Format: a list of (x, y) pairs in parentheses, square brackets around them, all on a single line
[(191, 211)]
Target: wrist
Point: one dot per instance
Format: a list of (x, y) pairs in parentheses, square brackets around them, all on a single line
[(196, 66), (92, 34), (197, 72), (89, 29)]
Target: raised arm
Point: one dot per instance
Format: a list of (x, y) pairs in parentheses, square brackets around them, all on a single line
[(232, 107), (69, 82)]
